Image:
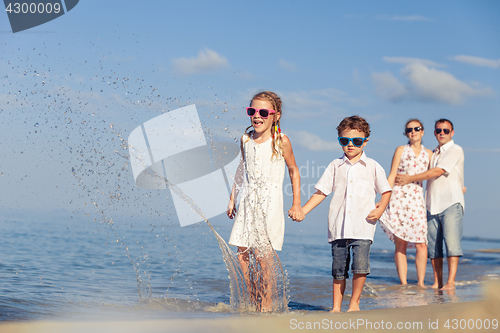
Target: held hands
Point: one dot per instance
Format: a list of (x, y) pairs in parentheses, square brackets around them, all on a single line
[(296, 213), (231, 209), (402, 179), (375, 214)]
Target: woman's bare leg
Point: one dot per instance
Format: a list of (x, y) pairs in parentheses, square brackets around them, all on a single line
[(421, 262), (400, 259)]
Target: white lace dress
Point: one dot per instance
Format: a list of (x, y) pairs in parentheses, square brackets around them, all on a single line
[(406, 215), (260, 219)]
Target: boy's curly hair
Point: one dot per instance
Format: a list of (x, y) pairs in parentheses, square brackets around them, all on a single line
[(354, 123)]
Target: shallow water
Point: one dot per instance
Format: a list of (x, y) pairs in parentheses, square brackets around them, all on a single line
[(121, 254), (52, 270)]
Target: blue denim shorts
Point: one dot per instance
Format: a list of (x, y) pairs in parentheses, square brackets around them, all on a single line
[(341, 257), (446, 226)]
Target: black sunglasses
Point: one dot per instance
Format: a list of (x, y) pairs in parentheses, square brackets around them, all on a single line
[(445, 130), (417, 129), (358, 142)]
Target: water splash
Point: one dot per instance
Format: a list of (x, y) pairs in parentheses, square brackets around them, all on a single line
[(77, 107), (262, 284)]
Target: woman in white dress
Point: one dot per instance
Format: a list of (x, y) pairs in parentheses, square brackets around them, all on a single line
[(405, 218), (259, 225)]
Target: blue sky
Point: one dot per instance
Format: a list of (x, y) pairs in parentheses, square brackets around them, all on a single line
[(75, 87)]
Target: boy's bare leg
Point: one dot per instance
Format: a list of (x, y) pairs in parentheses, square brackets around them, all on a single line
[(437, 267), (400, 259), (421, 262), (358, 282), (452, 273), (338, 294)]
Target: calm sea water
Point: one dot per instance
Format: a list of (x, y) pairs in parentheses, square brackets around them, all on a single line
[(80, 270)]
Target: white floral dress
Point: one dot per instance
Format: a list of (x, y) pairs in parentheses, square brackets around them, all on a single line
[(260, 219), (406, 215)]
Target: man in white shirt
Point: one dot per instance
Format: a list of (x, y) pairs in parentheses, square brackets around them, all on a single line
[(445, 202)]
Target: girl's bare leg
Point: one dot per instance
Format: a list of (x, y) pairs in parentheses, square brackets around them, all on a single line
[(421, 262), (400, 259), (358, 282), (338, 294), (244, 261), (267, 286)]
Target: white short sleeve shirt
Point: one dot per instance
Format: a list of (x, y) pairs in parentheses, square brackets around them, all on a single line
[(354, 188), (446, 190)]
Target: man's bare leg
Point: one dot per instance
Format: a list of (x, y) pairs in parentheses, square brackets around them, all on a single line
[(452, 273), (437, 267), (338, 294), (358, 282)]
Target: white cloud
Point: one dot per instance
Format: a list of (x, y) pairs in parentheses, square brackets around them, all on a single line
[(206, 61), (286, 65), (439, 86), (355, 76), (477, 61), (323, 103), (302, 103), (408, 18), (482, 150), (421, 82), (388, 86), (312, 142), (409, 61)]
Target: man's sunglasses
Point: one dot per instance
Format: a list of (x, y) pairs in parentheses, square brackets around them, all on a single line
[(264, 113), (358, 142), (445, 130), (417, 129)]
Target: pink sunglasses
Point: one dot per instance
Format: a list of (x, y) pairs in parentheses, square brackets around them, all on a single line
[(264, 113)]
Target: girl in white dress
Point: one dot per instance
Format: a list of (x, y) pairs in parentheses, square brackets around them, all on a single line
[(405, 218), (259, 225)]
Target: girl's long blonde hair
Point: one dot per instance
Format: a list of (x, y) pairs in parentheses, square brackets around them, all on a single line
[(275, 101)]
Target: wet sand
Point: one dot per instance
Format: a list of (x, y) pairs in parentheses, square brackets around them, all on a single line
[(489, 251), (466, 316)]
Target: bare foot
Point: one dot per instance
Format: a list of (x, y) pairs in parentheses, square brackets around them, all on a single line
[(422, 285), (334, 311), (435, 286), (353, 309), (448, 286)]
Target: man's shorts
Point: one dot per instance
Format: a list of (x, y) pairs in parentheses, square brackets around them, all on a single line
[(341, 257), (446, 226)]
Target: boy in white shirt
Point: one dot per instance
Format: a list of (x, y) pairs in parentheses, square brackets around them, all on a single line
[(352, 217)]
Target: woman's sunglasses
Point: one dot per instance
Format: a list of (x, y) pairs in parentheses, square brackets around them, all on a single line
[(358, 142), (417, 129), (445, 130), (264, 113)]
